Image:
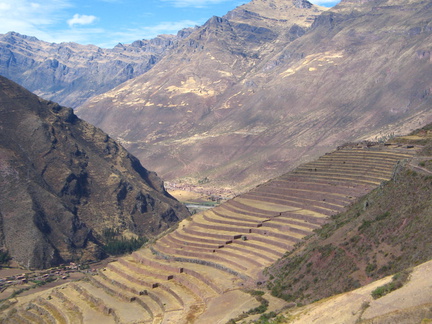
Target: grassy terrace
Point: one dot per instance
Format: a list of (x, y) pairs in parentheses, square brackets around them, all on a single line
[(343, 164), (174, 279), (345, 169), (356, 178), (350, 189), (298, 201)]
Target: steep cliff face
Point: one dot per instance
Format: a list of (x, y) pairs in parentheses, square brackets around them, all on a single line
[(63, 182), (70, 73), (250, 95)]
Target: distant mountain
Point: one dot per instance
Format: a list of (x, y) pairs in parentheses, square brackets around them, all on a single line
[(64, 183), (70, 73), (189, 116), (250, 95)]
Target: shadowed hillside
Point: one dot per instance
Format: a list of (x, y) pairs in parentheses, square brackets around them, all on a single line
[(64, 183)]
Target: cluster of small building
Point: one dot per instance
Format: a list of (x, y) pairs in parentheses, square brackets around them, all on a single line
[(214, 194), (60, 272)]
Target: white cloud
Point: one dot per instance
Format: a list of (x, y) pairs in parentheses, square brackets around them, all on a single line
[(47, 20), (31, 17), (81, 20), (4, 6), (193, 3)]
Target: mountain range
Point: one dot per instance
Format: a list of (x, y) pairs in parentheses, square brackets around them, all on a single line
[(70, 73), (249, 95)]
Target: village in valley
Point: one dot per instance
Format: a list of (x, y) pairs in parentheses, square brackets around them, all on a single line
[(17, 281)]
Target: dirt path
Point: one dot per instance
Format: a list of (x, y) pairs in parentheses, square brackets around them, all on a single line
[(414, 164)]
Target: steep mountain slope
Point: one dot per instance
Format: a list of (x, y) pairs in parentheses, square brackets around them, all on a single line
[(409, 304), (385, 232), (63, 182), (70, 73), (186, 105), (250, 95)]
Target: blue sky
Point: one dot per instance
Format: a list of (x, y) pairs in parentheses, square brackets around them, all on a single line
[(108, 22)]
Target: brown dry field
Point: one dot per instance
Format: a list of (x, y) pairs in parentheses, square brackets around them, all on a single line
[(188, 196), (229, 305)]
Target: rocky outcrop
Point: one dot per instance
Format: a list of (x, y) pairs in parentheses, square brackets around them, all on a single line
[(70, 73), (63, 182)]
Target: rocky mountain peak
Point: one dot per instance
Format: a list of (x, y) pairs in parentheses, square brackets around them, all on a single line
[(303, 4), (14, 35), (275, 13), (52, 70)]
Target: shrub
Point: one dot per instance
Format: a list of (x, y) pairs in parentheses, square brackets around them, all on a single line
[(4, 257), (364, 225), (370, 268), (258, 310), (117, 244), (265, 318), (123, 245), (382, 216), (397, 282), (110, 233), (264, 302)]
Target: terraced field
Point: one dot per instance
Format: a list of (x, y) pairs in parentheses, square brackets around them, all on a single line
[(214, 255)]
